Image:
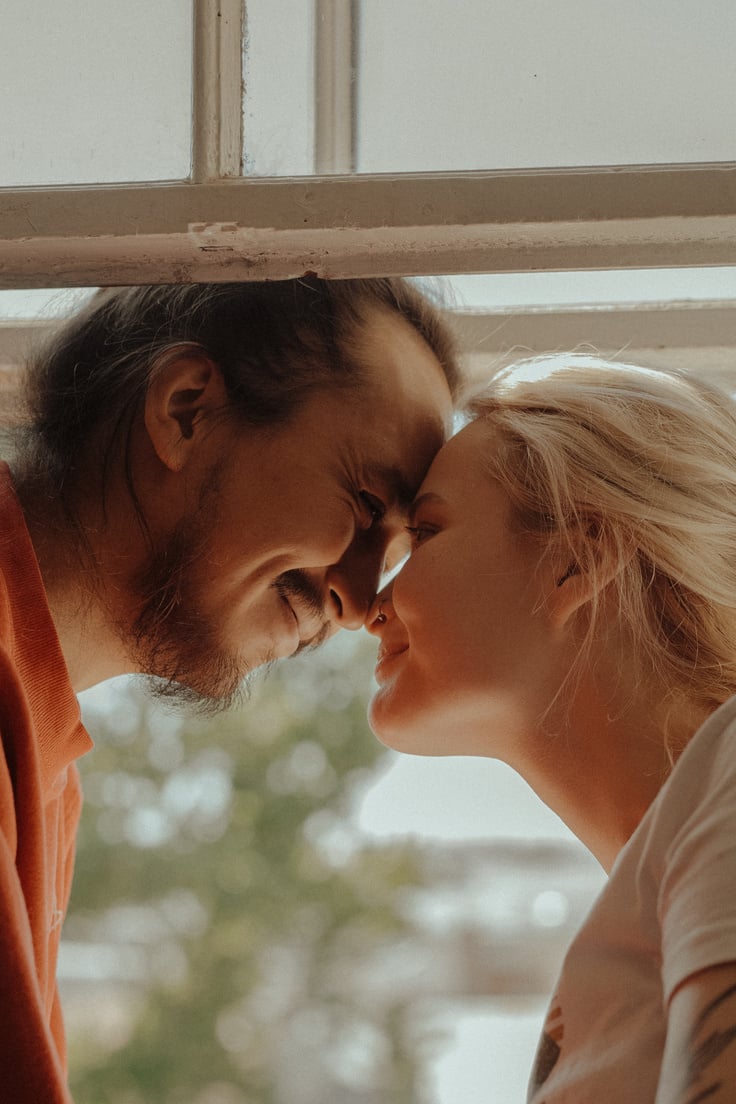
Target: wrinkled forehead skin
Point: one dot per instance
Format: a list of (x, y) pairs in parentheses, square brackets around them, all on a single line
[(406, 405)]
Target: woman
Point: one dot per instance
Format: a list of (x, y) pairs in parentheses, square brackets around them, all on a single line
[(569, 607)]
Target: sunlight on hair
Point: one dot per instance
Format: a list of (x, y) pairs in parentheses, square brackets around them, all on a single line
[(541, 368)]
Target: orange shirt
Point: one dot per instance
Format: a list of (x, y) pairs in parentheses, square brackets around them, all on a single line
[(40, 801)]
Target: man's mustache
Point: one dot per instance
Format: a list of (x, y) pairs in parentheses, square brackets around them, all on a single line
[(306, 596)]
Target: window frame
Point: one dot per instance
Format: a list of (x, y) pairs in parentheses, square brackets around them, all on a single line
[(219, 226), (409, 224)]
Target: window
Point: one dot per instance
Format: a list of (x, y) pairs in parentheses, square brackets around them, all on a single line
[(345, 90)]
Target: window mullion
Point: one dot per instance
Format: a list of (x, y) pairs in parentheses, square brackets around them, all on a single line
[(335, 61), (217, 98)]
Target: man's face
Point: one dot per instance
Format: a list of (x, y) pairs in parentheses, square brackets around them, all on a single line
[(285, 538)]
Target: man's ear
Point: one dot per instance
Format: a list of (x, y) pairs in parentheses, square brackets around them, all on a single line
[(584, 569), (186, 387)]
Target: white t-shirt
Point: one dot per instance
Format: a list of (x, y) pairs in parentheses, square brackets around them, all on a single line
[(668, 910)]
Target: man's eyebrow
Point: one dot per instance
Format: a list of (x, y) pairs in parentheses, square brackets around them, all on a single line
[(395, 482), (429, 498)]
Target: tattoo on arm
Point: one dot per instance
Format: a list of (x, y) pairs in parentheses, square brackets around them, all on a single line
[(706, 1045)]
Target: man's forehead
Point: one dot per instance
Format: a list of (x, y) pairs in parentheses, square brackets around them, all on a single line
[(404, 407), (399, 364), (399, 461), (397, 483), (398, 486)]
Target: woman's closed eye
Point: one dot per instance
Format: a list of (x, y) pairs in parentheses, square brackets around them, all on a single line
[(420, 533)]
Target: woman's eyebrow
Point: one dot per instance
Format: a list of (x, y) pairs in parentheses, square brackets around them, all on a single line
[(428, 498)]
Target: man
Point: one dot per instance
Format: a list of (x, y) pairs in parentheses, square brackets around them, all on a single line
[(214, 477)]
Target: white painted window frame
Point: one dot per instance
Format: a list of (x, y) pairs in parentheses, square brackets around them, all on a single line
[(641, 217), (219, 226)]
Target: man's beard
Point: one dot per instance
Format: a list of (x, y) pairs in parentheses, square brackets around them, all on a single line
[(174, 642)]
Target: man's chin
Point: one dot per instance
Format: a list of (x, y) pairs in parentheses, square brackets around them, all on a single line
[(177, 695), (206, 696)]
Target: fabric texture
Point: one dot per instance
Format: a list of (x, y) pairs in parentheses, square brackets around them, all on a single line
[(40, 801), (666, 912)]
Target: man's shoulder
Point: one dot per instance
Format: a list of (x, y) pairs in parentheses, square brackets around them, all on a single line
[(9, 705), (8, 536), (6, 613), (20, 591)]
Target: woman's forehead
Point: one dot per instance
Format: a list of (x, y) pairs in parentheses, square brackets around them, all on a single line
[(463, 461)]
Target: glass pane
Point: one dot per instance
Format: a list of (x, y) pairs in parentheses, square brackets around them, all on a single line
[(278, 82), (41, 303), (498, 290), (504, 85), (532, 84), (94, 91)]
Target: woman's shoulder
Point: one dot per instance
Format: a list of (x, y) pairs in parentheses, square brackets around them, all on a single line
[(701, 788), (713, 743)]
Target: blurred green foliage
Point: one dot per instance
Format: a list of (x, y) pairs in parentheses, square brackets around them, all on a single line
[(220, 855)]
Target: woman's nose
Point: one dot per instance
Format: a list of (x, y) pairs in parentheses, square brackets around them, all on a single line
[(379, 612)]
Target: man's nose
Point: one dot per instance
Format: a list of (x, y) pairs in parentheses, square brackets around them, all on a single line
[(351, 587)]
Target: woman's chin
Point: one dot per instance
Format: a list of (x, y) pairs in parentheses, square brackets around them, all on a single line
[(386, 724), (397, 729)]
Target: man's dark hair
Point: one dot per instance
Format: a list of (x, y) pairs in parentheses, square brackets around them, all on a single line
[(274, 342)]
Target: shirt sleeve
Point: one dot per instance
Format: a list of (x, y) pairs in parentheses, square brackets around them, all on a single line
[(30, 1068), (697, 899)]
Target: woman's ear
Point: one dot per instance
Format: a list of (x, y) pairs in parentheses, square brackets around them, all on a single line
[(186, 387), (584, 569)]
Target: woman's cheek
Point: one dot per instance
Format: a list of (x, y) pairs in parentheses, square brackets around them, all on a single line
[(413, 584)]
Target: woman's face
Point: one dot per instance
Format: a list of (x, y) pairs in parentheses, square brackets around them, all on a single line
[(470, 656)]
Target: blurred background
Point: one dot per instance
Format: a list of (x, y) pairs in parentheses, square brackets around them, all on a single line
[(272, 908)]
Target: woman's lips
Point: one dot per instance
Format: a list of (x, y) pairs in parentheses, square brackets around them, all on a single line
[(386, 655)]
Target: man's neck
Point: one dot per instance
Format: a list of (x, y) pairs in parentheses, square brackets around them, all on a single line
[(92, 649)]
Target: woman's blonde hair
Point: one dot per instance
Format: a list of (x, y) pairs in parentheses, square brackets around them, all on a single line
[(612, 460)]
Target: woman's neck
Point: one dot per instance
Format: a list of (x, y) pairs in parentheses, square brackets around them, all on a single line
[(610, 750)]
